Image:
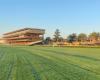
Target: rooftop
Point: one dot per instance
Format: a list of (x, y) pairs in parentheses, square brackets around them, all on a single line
[(25, 29)]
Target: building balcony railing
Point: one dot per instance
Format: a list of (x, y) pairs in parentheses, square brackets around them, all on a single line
[(23, 37), (23, 40)]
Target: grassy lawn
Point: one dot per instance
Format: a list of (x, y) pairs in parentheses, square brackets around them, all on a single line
[(49, 63)]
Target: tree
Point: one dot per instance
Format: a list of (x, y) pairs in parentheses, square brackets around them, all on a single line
[(61, 39), (47, 40), (57, 35), (72, 38), (94, 36), (82, 37)]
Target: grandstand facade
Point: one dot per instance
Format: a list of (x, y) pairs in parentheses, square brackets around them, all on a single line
[(26, 36)]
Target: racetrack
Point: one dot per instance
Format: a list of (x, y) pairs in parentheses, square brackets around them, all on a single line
[(49, 63)]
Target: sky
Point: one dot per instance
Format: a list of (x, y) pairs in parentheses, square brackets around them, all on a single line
[(70, 16)]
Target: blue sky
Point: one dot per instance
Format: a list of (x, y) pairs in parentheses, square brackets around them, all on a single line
[(67, 15)]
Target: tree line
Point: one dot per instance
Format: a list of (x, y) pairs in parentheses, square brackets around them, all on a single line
[(82, 37)]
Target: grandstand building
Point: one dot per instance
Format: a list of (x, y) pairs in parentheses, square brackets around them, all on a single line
[(26, 36)]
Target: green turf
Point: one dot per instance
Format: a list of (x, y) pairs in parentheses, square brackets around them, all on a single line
[(49, 63)]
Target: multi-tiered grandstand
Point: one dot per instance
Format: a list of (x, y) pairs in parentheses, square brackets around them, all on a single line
[(26, 36)]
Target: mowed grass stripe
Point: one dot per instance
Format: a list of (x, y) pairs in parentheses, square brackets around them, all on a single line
[(34, 72), (63, 61), (70, 54), (35, 63), (25, 67), (81, 59), (73, 55), (2, 58), (49, 64), (6, 65), (9, 65), (87, 60), (2, 53)]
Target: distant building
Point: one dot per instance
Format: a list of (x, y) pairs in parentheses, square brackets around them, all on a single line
[(26, 36)]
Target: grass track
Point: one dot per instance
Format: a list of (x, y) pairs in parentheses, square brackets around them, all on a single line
[(48, 63)]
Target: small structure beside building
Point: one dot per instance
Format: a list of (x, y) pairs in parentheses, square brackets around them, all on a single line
[(26, 36)]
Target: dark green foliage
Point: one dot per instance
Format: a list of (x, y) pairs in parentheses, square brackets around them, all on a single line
[(47, 40), (72, 38), (57, 35), (82, 37)]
